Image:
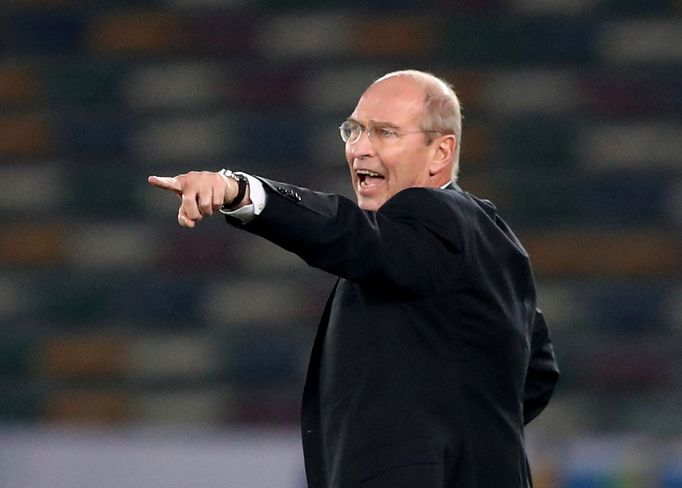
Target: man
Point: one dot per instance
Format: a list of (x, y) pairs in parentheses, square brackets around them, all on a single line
[(430, 355)]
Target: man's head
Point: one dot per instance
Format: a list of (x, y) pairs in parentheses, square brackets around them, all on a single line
[(404, 132)]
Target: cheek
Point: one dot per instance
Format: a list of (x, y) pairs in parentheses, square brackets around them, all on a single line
[(405, 168), (397, 165)]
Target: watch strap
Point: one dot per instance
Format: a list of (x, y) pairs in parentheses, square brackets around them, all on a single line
[(242, 184)]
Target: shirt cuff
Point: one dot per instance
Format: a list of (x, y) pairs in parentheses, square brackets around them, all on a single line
[(258, 199)]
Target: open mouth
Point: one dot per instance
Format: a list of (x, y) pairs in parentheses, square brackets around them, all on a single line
[(367, 178)]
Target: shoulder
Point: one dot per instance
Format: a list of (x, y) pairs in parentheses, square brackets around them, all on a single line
[(432, 203)]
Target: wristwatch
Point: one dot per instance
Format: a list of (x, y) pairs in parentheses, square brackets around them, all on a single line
[(242, 184)]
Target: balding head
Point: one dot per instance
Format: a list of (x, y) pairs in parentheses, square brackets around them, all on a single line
[(442, 111)]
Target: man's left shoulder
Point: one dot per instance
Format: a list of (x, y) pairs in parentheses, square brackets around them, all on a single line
[(427, 193), (429, 199)]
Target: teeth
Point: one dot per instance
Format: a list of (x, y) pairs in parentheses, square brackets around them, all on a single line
[(368, 173)]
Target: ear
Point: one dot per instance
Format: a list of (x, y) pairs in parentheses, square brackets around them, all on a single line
[(443, 154)]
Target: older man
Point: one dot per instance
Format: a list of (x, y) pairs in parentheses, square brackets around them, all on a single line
[(430, 355)]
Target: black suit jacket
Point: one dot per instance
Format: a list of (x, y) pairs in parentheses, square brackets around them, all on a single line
[(431, 355)]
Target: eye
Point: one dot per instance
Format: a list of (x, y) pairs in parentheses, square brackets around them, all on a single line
[(387, 133), (350, 131)]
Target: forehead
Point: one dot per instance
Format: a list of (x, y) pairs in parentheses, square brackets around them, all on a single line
[(398, 100)]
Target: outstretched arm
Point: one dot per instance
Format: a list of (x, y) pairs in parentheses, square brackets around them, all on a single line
[(201, 193), (411, 243)]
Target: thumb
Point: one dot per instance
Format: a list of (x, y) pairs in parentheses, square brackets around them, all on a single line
[(166, 183)]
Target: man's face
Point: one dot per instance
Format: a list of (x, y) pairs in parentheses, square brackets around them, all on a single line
[(382, 166)]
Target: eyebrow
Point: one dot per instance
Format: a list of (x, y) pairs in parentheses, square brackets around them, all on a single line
[(374, 123)]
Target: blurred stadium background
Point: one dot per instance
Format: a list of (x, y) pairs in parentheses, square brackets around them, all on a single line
[(135, 353)]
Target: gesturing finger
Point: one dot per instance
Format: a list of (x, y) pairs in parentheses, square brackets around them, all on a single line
[(166, 183)]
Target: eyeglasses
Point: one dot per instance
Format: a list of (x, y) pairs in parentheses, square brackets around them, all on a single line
[(351, 132)]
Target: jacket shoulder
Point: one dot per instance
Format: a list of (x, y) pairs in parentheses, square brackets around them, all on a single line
[(436, 206)]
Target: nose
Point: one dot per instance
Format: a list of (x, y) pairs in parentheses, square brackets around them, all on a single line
[(361, 148)]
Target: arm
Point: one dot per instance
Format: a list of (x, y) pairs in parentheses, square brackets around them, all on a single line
[(412, 242), (542, 374)]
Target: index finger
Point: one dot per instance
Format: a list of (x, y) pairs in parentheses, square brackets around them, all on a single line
[(166, 183)]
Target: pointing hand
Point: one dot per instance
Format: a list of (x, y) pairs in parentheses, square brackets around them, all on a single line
[(201, 193)]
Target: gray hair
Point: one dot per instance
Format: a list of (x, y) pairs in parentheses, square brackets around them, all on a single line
[(442, 110)]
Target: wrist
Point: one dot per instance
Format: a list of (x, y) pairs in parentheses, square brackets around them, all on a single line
[(236, 190)]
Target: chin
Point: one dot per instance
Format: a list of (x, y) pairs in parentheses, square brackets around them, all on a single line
[(369, 205)]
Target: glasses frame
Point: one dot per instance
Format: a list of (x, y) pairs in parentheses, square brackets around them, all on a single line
[(371, 130)]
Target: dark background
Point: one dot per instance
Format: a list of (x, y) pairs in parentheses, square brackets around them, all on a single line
[(111, 316)]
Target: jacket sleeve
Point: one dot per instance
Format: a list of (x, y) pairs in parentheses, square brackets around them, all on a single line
[(411, 243), (542, 374)]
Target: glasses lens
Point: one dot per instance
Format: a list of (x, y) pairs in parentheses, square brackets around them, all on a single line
[(345, 131), (350, 131)]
